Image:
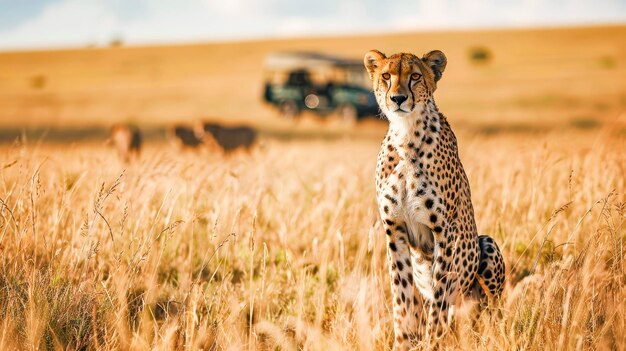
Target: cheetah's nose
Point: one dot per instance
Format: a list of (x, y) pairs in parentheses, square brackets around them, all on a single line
[(398, 99)]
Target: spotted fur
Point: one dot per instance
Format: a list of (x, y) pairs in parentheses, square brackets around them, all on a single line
[(435, 254)]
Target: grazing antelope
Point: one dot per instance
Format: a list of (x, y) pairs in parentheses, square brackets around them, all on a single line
[(127, 140), (185, 136), (228, 138)]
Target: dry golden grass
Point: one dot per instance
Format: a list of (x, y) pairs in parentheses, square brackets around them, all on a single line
[(283, 249)]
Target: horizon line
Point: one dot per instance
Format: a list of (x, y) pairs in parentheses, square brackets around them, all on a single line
[(263, 38)]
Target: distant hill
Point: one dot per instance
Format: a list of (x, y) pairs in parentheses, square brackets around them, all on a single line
[(536, 76)]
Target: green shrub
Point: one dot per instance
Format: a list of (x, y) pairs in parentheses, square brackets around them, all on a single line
[(480, 55)]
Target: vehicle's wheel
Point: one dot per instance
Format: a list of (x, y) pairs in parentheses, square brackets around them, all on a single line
[(312, 101), (348, 114), (289, 109)]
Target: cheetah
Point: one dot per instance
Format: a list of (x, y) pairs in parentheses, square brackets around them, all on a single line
[(434, 252)]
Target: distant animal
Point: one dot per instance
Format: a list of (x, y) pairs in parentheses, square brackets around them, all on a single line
[(228, 138), (127, 140), (435, 253), (185, 136)]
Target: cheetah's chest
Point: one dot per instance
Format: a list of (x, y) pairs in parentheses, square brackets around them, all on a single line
[(407, 187)]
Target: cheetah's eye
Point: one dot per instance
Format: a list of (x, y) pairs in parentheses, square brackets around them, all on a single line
[(386, 76), (416, 76)]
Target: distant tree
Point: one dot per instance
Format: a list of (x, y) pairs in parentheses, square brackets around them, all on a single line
[(608, 62), (38, 81), (116, 42), (480, 55)]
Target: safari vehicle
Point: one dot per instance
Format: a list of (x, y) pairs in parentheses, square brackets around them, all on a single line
[(302, 81)]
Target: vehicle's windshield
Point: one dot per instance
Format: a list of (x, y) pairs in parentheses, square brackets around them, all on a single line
[(299, 78)]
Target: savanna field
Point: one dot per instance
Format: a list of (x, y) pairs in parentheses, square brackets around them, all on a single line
[(282, 248)]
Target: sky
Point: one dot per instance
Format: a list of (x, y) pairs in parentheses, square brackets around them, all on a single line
[(31, 24)]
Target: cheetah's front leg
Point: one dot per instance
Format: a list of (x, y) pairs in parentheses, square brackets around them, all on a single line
[(404, 293), (444, 283)]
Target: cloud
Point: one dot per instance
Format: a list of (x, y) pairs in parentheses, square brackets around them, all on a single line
[(83, 22), (69, 22)]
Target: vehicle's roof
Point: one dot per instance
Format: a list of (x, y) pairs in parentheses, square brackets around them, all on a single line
[(303, 60)]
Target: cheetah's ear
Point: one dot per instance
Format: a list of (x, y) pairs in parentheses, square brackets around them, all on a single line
[(437, 61), (372, 61)]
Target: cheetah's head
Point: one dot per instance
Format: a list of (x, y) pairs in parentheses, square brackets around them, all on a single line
[(403, 82)]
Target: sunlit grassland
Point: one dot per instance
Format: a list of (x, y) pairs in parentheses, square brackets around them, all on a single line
[(282, 248)]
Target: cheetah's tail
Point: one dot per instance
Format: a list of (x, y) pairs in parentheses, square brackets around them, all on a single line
[(490, 277)]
